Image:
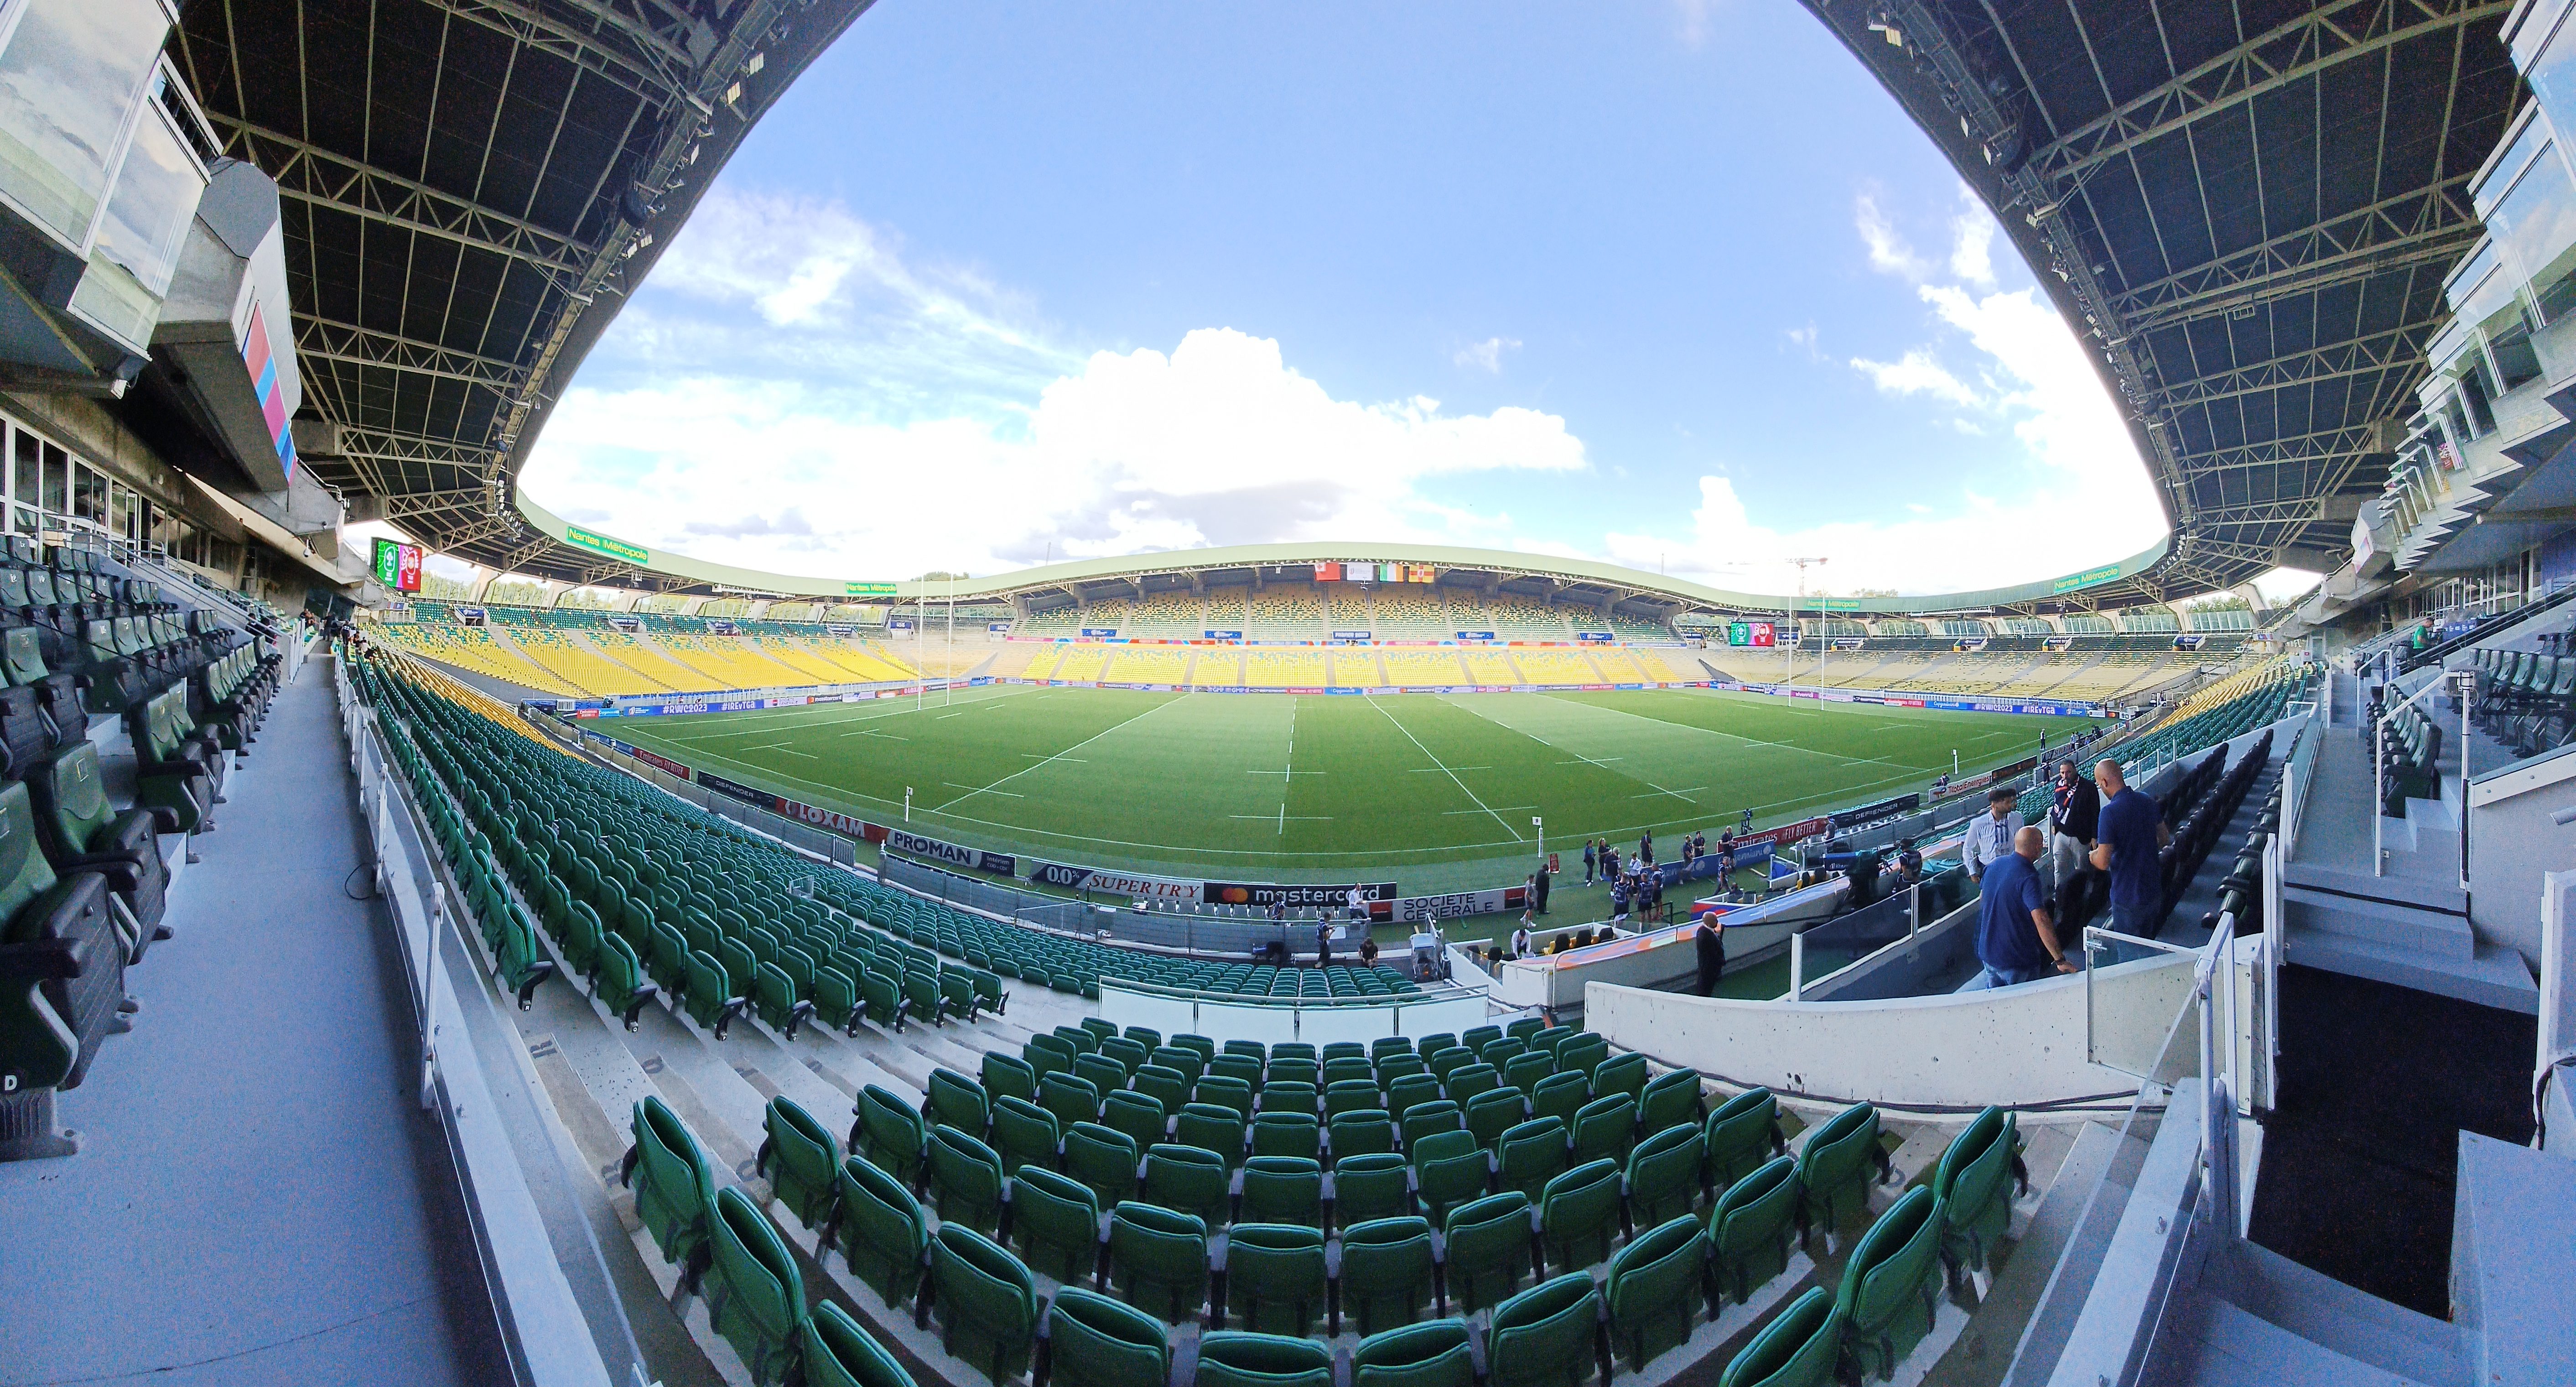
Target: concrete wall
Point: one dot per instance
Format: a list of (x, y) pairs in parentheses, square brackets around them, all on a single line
[(2012, 1045), (1454, 1011), (2515, 842)]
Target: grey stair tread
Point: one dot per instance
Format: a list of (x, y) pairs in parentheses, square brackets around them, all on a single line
[(2219, 1345), (2495, 977), (2444, 895), (2380, 922), (2352, 1322)]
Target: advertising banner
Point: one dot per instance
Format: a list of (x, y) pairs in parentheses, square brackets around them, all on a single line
[(1353, 635), (1475, 635), (867, 589), (734, 789), (1250, 893), (1594, 637), (830, 820), (719, 627), (663, 764), (1094, 633), (1758, 635), (470, 616), (1133, 885), (1850, 642), (1878, 813), (2188, 642), (1221, 634), (952, 854), (1418, 909)]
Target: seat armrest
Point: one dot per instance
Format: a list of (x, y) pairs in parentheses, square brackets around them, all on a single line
[(42, 959)]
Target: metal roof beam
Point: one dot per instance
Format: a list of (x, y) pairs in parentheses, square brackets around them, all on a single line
[(2433, 223), (328, 340), (311, 174), (645, 62), (2330, 34), (360, 440), (2394, 350)]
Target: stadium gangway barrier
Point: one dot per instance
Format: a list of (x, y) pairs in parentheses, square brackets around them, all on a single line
[(2176, 1191), (2464, 684), (1314, 1020), (547, 1338)]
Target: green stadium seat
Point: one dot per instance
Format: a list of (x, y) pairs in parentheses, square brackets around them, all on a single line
[(880, 1230), (1605, 1129), (1467, 1082), (1891, 1286), (1663, 1175), (1372, 1185), (1428, 1119), (1287, 1134), (82, 832), (1655, 1289), (1211, 1128), (674, 1193), (1974, 1182), (1158, 1260), (1235, 1358), (985, 1302), (1438, 1353), (1749, 1230), (620, 985), (1527, 1072), (1386, 1276), (1071, 1099), (755, 1298), (838, 1353), (1136, 1114), (1800, 1347), (1449, 1169), (1283, 1189), (1024, 1134), (708, 998), (1743, 1133), (1102, 1158), (1835, 1168), (957, 1101), (1530, 1155), (1163, 1083), (1350, 1096), (1275, 1276), (800, 1159), (1368, 1133), (1492, 1113), (1545, 1335), (964, 1177), (1188, 1179), (1490, 1244), (1560, 1096), (1579, 1215), (889, 1134), (1094, 1339), (1055, 1222), (1672, 1099)]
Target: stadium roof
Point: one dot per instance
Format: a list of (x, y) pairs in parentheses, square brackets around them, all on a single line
[(1583, 582), (471, 187), (2245, 207)]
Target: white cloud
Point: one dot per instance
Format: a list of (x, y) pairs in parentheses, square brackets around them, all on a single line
[(1487, 355), (1218, 442), (1916, 373), (1696, 18), (1972, 239), (1888, 251)]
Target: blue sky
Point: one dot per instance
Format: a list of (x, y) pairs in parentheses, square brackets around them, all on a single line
[(1669, 284)]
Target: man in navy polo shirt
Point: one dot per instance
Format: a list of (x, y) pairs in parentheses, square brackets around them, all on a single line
[(2016, 936), (2127, 836)]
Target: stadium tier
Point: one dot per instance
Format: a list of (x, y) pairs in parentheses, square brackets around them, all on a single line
[(586, 653)]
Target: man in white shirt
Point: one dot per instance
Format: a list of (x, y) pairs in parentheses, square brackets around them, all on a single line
[(1992, 836)]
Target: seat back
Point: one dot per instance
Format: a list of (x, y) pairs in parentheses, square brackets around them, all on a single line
[(1275, 1277), (1544, 1334), (1094, 1339)]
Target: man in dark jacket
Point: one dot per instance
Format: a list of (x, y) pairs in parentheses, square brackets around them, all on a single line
[(1538, 888), (1711, 940), (2074, 814)]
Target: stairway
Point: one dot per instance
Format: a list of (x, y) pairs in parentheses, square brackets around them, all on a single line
[(2406, 924)]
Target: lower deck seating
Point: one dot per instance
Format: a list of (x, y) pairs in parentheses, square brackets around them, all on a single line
[(83, 879), (2527, 698)]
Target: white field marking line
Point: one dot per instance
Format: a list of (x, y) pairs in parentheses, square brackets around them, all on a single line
[(1435, 770), (1070, 760), (1024, 770), (1007, 794), (1683, 795), (872, 732), (1453, 775), (812, 713), (1295, 772), (1514, 807), (785, 750), (1603, 763), (1297, 818)]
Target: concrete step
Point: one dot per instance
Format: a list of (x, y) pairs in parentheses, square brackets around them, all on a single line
[(2211, 1343), (2511, 1262), (2409, 880), (2494, 977), (2380, 922), (2322, 1310)]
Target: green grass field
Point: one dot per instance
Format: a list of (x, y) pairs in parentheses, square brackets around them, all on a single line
[(1312, 787)]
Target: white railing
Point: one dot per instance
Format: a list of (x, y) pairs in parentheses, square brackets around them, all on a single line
[(547, 1338)]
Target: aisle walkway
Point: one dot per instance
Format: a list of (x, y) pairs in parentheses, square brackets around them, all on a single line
[(259, 1196)]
